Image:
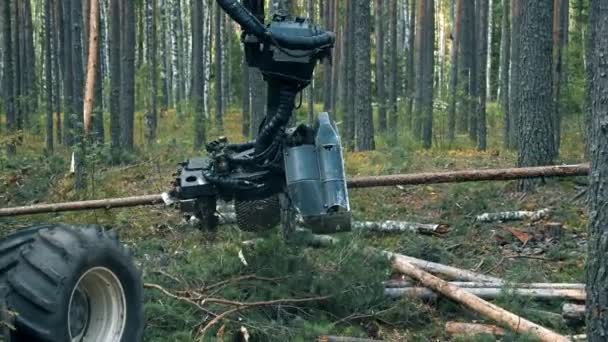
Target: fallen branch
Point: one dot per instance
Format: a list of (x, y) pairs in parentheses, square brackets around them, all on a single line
[(344, 339), (513, 216), (357, 182), (558, 286), (491, 293), (179, 298), (239, 306), (518, 324), (470, 329), (433, 267), (573, 311)]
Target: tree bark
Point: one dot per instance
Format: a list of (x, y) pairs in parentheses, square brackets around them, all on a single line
[(482, 81), (151, 116), (362, 90), (246, 99), (115, 26), (350, 73), (597, 277), (515, 87), (198, 72), (380, 82), (327, 66), (536, 130), (410, 70), (454, 71), (48, 74), (219, 97), (93, 54), (467, 67), (392, 66), (127, 96), (425, 39), (8, 72), (503, 82), (469, 329), (560, 27)]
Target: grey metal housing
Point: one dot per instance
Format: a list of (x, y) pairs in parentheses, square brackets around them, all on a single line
[(316, 181)]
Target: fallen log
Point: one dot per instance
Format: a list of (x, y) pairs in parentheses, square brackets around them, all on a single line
[(344, 339), (353, 183), (500, 315), (573, 312), (372, 226), (513, 216), (400, 227), (470, 329), (491, 293), (470, 176), (461, 284)]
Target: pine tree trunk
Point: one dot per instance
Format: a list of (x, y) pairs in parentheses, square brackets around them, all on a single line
[(57, 38), (560, 34), (198, 73), (336, 60), (327, 66), (164, 58), (8, 72), (467, 66), (514, 79), (77, 70), (97, 128), (219, 97), (115, 27), (488, 73), (179, 58), (92, 53), (482, 95), (597, 278), (380, 83), (536, 129), (128, 75), (454, 71), (349, 114), (426, 62), (411, 71), (310, 91), (362, 91), (151, 116), (246, 99), (505, 57), (48, 74), (392, 74)]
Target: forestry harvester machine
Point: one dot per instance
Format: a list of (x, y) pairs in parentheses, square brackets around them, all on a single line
[(65, 283), (283, 172)]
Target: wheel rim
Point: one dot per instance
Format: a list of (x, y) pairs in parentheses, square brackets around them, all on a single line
[(97, 308)]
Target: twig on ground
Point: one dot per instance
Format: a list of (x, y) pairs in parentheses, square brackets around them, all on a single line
[(513, 216), (179, 298), (344, 339)]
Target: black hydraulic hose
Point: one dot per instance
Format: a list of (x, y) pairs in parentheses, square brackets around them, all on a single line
[(244, 18), (252, 25), (285, 104)]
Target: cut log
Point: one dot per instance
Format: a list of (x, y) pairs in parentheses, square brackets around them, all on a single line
[(491, 293), (470, 329), (451, 272), (344, 339), (573, 312), (562, 286), (518, 324), (513, 216), (470, 176), (400, 227), (227, 218), (358, 182)]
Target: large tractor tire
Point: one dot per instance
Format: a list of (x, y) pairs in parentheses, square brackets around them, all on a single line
[(71, 283)]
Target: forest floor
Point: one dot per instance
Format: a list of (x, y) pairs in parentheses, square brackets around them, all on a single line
[(182, 259)]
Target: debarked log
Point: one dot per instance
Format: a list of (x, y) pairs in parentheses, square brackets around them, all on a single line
[(492, 293), (513, 216), (516, 323), (470, 329)]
